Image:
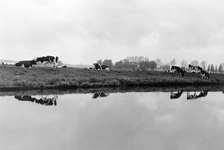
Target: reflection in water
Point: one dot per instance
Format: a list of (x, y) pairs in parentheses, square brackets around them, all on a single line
[(96, 95), (194, 96), (175, 95), (120, 121), (44, 100)]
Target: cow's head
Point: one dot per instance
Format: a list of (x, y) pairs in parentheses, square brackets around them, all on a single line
[(56, 59)]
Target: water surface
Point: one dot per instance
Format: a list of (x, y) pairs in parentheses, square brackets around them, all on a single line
[(188, 120)]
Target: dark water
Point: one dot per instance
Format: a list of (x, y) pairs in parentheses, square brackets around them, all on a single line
[(177, 120)]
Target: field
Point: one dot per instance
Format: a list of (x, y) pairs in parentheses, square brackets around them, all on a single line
[(12, 77)]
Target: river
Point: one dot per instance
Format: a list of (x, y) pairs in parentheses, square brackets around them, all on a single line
[(132, 120)]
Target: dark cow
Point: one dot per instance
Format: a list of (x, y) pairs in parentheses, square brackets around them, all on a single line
[(26, 63), (43, 101), (177, 69), (176, 94), (203, 93), (100, 67), (96, 95), (48, 59)]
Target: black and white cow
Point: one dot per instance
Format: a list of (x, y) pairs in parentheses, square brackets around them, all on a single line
[(177, 69), (26, 63), (204, 74), (194, 69), (100, 67), (48, 59)]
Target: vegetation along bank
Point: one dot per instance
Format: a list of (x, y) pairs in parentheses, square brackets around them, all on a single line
[(12, 77)]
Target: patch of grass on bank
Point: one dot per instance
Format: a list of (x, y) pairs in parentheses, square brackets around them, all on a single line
[(37, 77)]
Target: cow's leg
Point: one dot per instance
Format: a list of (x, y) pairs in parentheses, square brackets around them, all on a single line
[(55, 64)]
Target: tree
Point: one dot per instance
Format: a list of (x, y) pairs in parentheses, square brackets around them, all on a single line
[(99, 61), (220, 68), (152, 65), (203, 64), (194, 62), (166, 66), (108, 62), (212, 68), (216, 68), (183, 63), (209, 67), (159, 63), (173, 62), (119, 65)]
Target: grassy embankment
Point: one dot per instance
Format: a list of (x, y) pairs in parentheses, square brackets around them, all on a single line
[(12, 77)]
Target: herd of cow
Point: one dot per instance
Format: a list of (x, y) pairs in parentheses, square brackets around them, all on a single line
[(192, 68), (54, 60), (97, 66), (43, 60)]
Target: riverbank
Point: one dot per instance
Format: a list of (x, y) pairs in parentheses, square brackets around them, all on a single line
[(12, 77)]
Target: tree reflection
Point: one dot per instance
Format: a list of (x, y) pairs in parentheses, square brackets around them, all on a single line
[(44, 100)]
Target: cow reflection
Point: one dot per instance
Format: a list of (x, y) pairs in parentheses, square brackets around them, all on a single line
[(202, 93), (43, 100), (96, 95), (175, 95)]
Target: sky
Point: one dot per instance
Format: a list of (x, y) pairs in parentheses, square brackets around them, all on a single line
[(84, 31)]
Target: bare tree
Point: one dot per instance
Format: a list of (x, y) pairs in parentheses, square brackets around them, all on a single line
[(212, 68), (173, 62), (159, 63), (99, 61), (194, 62), (203, 64), (220, 68), (183, 63)]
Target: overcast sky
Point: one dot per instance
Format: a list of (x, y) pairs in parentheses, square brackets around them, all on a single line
[(83, 31)]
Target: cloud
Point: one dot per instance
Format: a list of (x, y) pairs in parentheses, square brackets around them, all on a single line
[(96, 29)]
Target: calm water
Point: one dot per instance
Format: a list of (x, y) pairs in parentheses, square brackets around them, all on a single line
[(115, 121)]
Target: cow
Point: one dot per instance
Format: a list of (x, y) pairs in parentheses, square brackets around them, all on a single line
[(100, 67), (194, 69), (203, 93), (204, 74), (176, 94), (48, 59), (177, 69), (26, 63)]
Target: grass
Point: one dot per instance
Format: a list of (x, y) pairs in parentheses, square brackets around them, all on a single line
[(12, 77)]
